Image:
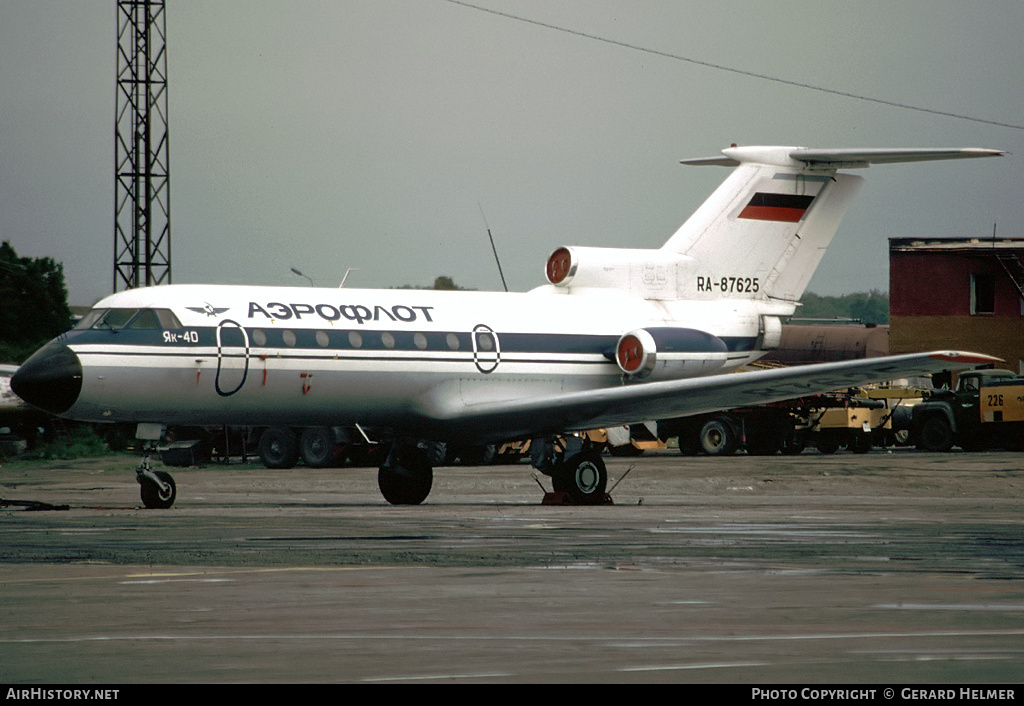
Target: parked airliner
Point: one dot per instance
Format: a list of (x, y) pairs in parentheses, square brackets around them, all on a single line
[(618, 335)]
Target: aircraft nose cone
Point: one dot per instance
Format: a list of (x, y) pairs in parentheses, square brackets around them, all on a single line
[(51, 379)]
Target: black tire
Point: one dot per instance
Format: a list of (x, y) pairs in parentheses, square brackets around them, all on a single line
[(936, 434), (584, 477), (718, 438), (860, 443), (317, 447), (153, 496), (279, 448), (793, 444), (827, 443), (406, 481)]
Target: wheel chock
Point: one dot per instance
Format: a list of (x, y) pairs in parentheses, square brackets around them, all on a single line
[(566, 499)]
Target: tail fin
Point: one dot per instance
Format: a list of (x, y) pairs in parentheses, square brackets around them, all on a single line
[(771, 221)]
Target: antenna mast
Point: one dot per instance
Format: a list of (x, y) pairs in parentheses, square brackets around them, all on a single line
[(142, 199)]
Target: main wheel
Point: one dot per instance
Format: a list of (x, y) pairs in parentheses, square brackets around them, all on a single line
[(153, 495), (279, 448), (317, 447), (718, 438), (405, 480), (583, 476)]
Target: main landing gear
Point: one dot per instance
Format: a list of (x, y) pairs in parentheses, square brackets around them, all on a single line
[(407, 474), (156, 487), (577, 471)]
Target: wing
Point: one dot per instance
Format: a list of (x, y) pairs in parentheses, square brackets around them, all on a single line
[(663, 400)]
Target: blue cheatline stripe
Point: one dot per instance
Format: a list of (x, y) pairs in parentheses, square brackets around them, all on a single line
[(306, 340)]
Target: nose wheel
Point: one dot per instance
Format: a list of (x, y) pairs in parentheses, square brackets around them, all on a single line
[(156, 487)]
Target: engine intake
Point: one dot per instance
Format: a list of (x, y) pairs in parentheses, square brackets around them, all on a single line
[(652, 274), (636, 353), (639, 352)]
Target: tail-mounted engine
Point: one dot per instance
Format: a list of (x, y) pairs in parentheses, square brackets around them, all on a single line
[(652, 274), (668, 353)]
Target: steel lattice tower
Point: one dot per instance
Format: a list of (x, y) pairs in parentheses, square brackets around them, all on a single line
[(142, 197)]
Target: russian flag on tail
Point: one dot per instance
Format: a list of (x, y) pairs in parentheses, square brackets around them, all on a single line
[(788, 208)]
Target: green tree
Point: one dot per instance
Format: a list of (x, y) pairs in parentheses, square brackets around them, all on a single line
[(35, 303), (868, 307), (443, 282)]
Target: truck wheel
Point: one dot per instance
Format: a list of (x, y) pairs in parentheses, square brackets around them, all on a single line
[(860, 443), (279, 448), (936, 434), (793, 444), (717, 438), (317, 447), (827, 443)]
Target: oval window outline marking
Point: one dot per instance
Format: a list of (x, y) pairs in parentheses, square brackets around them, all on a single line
[(486, 348), (221, 355)]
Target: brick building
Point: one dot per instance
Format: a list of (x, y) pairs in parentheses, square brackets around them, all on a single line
[(958, 294)]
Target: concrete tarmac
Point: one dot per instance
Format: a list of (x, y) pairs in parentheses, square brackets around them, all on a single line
[(887, 568)]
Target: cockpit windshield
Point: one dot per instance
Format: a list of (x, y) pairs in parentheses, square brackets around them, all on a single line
[(117, 319)]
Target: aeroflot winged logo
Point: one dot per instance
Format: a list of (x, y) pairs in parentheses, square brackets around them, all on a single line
[(209, 309)]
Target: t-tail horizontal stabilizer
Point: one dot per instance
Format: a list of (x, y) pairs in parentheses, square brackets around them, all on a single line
[(773, 217)]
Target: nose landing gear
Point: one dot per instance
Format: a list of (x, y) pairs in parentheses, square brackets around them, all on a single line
[(156, 487)]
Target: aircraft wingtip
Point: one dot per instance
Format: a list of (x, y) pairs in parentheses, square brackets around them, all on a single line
[(966, 358)]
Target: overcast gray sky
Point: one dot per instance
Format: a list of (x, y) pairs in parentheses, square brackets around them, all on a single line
[(325, 135)]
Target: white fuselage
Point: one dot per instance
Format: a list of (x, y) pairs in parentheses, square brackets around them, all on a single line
[(310, 356)]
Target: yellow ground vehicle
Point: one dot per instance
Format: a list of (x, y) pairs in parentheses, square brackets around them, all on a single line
[(829, 422), (986, 410)]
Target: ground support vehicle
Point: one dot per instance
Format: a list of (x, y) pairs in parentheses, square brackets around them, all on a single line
[(828, 422), (984, 411), (628, 440)]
